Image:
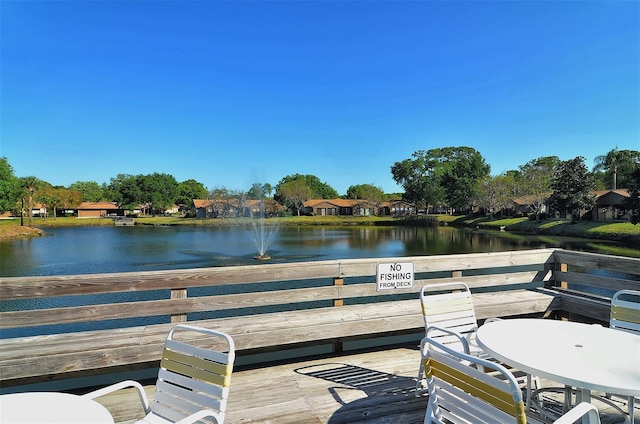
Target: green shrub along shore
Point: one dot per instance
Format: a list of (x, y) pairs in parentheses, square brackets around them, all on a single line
[(606, 230)]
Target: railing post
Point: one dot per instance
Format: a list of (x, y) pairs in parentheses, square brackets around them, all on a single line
[(179, 294), (553, 282), (338, 281), (456, 274)]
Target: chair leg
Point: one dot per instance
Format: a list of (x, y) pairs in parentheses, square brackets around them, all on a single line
[(419, 388), (568, 397)]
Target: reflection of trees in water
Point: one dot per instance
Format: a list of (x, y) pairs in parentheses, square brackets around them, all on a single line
[(413, 240)]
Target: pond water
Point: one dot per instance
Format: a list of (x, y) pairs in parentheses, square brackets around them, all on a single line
[(85, 250)]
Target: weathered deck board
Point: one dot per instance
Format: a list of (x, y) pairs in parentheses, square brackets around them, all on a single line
[(375, 387)]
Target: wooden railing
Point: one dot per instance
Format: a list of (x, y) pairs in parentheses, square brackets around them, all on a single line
[(60, 326)]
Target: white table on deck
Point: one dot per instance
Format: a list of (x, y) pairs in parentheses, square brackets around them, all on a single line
[(589, 357), (51, 407)]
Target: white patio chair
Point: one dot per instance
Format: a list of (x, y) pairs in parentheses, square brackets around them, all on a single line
[(193, 382), (625, 311), (625, 316), (450, 318), (459, 392)]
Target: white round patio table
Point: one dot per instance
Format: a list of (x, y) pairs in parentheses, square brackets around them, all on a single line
[(51, 407), (590, 357)]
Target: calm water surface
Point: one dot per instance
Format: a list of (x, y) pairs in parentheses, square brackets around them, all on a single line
[(82, 250)]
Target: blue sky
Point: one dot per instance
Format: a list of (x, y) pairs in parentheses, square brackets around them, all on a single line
[(235, 92)]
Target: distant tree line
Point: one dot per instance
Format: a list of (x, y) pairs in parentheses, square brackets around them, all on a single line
[(457, 177), (460, 178)]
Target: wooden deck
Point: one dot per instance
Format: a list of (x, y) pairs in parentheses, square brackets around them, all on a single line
[(373, 387), (327, 304)]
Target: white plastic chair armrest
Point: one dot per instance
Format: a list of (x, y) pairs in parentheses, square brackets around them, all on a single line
[(122, 385), (463, 340), (579, 411), (197, 416)]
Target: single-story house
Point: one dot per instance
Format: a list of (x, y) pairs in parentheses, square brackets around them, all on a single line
[(98, 210), (610, 205), (397, 208), (258, 208), (203, 208), (208, 208), (360, 207), (523, 204), (328, 207)]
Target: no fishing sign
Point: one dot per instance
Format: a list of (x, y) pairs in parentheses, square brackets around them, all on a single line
[(397, 275)]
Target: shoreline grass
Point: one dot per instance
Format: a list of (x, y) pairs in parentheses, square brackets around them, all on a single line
[(606, 230), (625, 232)]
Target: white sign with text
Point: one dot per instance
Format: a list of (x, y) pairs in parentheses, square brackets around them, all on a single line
[(398, 275)]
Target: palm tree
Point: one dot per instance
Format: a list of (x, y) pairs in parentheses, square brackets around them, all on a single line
[(614, 161), (29, 185)]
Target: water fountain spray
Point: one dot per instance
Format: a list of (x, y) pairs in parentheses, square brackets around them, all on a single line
[(262, 233)]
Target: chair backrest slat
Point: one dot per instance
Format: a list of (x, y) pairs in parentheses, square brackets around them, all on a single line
[(211, 355), (201, 369), (466, 378), (174, 406), (625, 311), (473, 412), (458, 389), (452, 308), (171, 379), (192, 378)]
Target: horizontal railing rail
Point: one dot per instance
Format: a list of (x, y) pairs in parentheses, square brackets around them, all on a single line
[(337, 282), (586, 282), (572, 273)]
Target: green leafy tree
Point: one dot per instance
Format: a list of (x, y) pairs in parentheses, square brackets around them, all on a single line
[(55, 198), (319, 189), (465, 169), (495, 193), (260, 191), (449, 174), (159, 191), (48, 196), (534, 183), (633, 202), (91, 190), (9, 186), (222, 202), (420, 177), (267, 189), (366, 191), (125, 190), (69, 199), (256, 192), (572, 185), (294, 193), (618, 167), (189, 190), (370, 193)]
